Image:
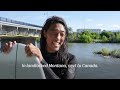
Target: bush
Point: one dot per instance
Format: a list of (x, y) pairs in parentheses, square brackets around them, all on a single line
[(115, 53), (86, 39), (38, 39), (105, 52), (104, 39)]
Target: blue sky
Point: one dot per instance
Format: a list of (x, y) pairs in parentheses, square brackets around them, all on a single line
[(108, 20)]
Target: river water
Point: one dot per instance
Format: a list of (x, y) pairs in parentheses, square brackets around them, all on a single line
[(103, 67)]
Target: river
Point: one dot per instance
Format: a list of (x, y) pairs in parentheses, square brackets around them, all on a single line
[(107, 67)]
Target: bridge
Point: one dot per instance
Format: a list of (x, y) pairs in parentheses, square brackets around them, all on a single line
[(11, 27), (12, 30)]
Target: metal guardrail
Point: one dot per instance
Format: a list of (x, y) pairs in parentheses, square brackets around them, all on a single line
[(18, 22)]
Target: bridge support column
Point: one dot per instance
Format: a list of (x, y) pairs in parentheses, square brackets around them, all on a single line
[(1, 28)]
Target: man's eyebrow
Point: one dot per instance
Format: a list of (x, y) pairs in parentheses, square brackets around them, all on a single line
[(57, 31), (62, 31)]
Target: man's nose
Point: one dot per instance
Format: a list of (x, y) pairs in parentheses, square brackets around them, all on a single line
[(58, 36)]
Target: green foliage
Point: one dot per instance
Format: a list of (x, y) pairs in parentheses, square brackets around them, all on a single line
[(38, 39), (109, 36), (95, 36), (87, 32), (88, 36), (104, 38), (115, 53), (72, 36), (86, 39), (70, 30), (105, 33), (105, 52), (117, 37)]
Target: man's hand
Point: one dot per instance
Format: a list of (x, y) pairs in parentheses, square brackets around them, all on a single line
[(8, 46), (30, 50)]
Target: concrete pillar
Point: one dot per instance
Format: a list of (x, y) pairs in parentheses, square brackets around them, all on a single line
[(1, 28), (17, 30), (28, 32), (35, 32)]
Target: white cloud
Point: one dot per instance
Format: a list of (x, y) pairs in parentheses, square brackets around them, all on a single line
[(108, 27), (89, 20), (22, 18), (111, 27), (116, 26), (100, 25)]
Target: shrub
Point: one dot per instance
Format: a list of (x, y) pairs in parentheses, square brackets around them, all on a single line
[(115, 53), (105, 52)]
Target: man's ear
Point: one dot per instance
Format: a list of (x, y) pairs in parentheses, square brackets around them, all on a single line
[(44, 34)]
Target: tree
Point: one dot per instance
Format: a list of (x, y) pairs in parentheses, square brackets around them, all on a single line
[(85, 39), (117, 37), (70, 38), (104, 38), (95, 36), (87, 32), (70, 30)]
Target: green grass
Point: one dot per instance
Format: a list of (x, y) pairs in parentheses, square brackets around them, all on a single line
[(105, 52), (115, 53)]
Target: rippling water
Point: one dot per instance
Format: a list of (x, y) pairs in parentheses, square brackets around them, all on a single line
[(107, 67)]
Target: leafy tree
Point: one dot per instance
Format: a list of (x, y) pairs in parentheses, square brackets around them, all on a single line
[(104, 38), (118, 37), (70, 30), (87, 32), (95, 36), (86, 39)]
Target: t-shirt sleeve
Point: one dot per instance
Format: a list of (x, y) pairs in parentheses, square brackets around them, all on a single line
[(48, 71), (70, 74)]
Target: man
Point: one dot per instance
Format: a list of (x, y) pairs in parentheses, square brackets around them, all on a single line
[(53, 49)]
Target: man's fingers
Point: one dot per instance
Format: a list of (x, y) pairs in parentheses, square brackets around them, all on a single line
[(30, 49), (10, 44), (29, 53), (6, 44), (27, 48), (5, 48), (14, 43)]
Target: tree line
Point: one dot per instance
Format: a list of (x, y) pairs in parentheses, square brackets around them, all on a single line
[(89, 37)]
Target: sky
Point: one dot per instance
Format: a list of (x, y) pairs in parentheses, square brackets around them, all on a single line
[(104, 20)]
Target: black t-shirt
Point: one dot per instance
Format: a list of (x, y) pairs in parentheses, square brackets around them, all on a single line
[(59, 70)]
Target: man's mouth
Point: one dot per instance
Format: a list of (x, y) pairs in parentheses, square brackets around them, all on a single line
[(56, 43)]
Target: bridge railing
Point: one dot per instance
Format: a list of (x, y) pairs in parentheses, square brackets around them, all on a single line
[(18, 22)]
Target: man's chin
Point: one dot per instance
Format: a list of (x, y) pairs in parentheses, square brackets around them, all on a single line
[(56, 49)]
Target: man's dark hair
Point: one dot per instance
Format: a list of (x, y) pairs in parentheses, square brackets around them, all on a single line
[(63, 51)]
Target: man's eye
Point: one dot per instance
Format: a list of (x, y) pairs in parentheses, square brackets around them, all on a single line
[(52, 33), (62, 34)]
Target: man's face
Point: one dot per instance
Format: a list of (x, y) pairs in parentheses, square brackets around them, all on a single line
[(55, 37)]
